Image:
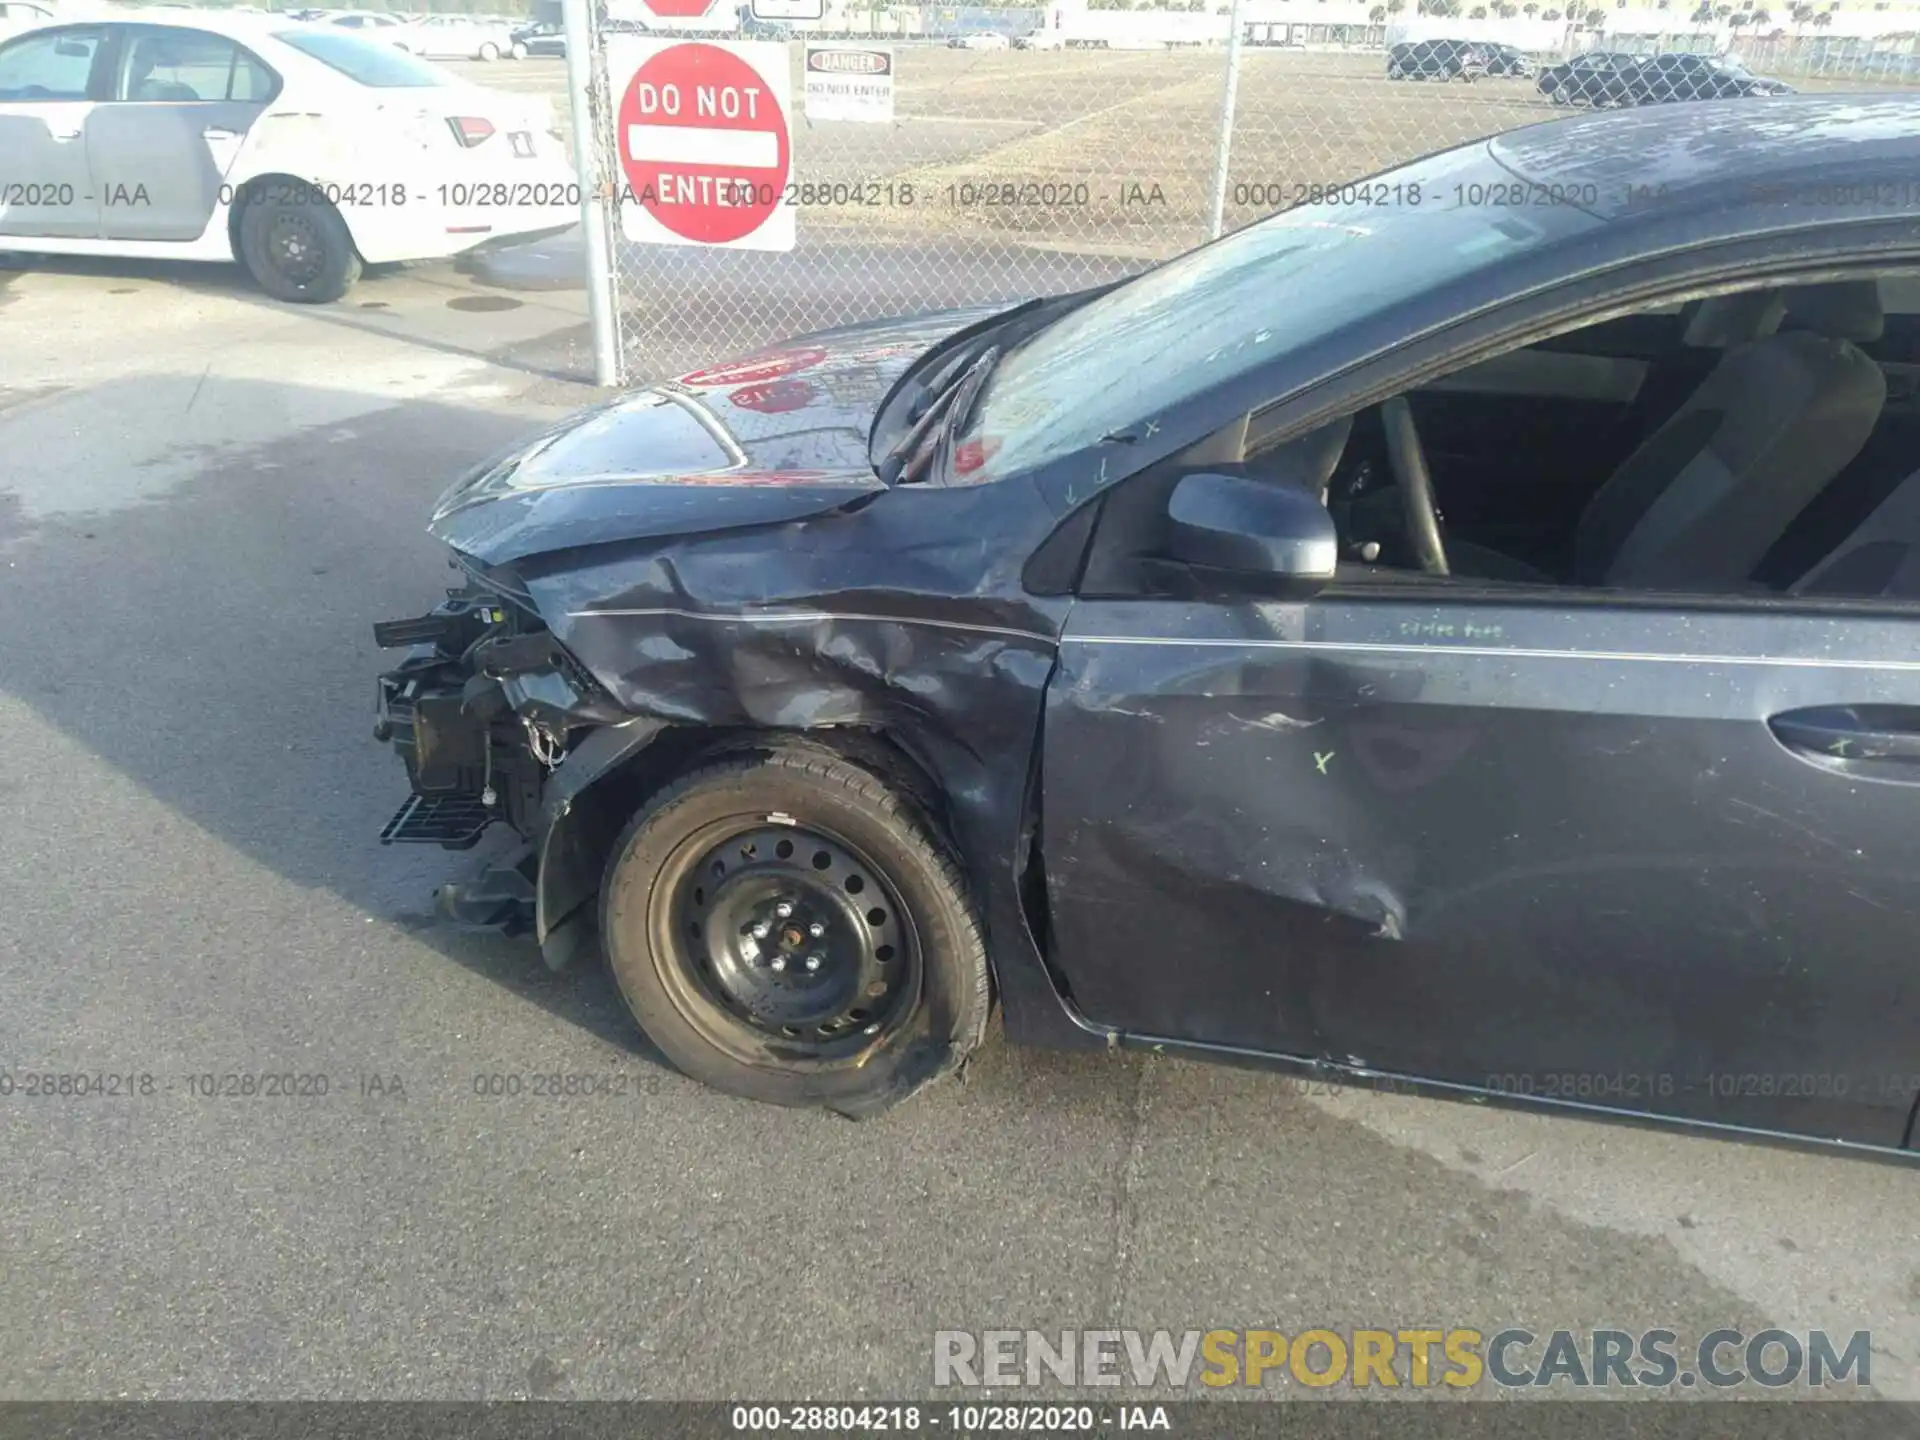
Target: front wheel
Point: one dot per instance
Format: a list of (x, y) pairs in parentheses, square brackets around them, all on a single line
[(297, 247), (786, 928), (519, 51)]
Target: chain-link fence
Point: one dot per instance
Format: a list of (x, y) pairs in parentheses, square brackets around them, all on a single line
[(1022, 158)]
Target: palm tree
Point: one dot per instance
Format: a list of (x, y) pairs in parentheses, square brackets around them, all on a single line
[(1479, 12), (1595, 19), (1377, 15), (1822, 19), (1551, 16), (1529, 9), (1760, 19)]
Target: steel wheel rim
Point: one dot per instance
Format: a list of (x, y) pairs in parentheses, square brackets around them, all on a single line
[(296, 248), (739, 969)]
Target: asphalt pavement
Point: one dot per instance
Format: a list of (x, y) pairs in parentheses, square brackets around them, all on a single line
[(205, 501)]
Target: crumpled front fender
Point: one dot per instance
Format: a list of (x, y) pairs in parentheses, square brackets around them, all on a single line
[(577, 825)]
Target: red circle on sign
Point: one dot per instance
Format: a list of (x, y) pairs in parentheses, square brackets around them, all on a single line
[(712, 146), (678, 9), (755, 369)]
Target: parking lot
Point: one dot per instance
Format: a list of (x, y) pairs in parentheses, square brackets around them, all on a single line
[(208, 498)]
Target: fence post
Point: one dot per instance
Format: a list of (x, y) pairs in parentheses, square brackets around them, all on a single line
[(582, 41), (1228, 97)]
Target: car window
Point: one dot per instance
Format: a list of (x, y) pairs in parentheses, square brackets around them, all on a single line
[(52, 66), (181, 66), (384, 67), (1228, 308), (1523, 449)]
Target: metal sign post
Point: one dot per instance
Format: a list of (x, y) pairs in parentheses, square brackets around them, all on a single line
[(577, 26), (1225, 148)]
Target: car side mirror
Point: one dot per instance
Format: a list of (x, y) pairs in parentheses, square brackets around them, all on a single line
[(1242, 535)]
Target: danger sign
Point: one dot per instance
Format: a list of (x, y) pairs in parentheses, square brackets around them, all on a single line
[(848, 82), (704, 141)]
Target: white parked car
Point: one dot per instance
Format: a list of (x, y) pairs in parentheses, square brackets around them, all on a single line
[(300, 151), (380, 26), (460, 37), (981, 40)]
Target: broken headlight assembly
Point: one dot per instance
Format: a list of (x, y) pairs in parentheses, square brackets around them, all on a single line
[(483, 708)]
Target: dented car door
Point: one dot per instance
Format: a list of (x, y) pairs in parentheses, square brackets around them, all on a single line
[(1602, 857)]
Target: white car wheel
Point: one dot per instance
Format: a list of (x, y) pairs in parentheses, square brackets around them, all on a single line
[(519, 51), (489, 51)]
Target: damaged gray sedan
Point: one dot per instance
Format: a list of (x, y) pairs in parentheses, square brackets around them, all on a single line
[(1464, 638)]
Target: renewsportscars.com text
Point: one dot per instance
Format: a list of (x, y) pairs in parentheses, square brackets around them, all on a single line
[(1415, 1358)]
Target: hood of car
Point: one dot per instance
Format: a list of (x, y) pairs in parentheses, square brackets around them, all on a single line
[(771, 437)]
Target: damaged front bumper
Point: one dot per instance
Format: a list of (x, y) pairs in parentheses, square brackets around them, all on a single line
[(497, 723)]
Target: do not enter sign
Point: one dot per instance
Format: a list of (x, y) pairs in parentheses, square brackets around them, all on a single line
[(704, 143)]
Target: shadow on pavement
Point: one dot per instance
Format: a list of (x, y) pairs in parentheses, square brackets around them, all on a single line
[(214, 644)]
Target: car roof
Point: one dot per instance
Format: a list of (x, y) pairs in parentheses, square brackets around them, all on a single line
[(1710, 153), (239, 24)]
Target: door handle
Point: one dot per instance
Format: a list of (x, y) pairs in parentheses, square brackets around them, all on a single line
[(217, 132), (1846, 736), (65, 133)]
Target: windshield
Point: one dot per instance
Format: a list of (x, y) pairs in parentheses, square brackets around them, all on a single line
[(1213, 314), (370, 62)]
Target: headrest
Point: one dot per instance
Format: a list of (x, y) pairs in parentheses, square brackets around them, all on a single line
[(1843, 310), (1722, 321), (1311, 459)]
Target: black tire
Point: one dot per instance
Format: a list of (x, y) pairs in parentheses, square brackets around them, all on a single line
[(296, 245), (682, 958)]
